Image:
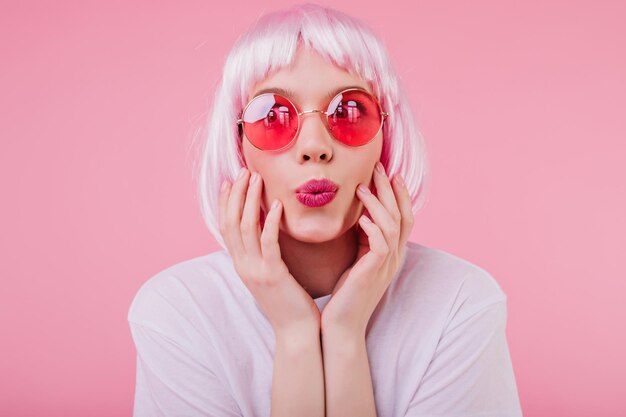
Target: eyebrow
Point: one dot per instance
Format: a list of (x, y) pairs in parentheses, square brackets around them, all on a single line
[(291, 94)]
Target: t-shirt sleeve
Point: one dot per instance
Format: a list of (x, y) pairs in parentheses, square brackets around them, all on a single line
[(177, 373), (471, 373), (170, 382)]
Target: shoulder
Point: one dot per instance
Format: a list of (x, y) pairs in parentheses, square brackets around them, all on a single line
[(183, 292), (459, 312), (436, 267), (444, 283)]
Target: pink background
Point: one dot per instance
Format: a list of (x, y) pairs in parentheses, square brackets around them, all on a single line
[(522, 105)]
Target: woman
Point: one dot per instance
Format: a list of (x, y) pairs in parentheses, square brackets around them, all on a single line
[(318, 304)]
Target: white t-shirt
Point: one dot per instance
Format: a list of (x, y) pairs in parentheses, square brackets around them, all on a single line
[(436, 343)]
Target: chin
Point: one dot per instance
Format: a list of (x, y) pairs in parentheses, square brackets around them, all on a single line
[(315, 229)]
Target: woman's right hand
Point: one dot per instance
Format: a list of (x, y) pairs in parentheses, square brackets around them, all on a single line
[(256, 256)]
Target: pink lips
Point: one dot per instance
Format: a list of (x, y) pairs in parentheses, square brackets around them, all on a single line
[(316, 193)]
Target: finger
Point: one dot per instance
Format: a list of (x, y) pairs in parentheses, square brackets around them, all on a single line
[(380, 216), (234, 210), (378, 246), (250, 228), (385, 192), (406, 209), (224, 193), (269, 237)]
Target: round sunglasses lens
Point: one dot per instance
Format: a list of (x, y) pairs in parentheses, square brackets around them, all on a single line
[(270, 122), (354, 117)]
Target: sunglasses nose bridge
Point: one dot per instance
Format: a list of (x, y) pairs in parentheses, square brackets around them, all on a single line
[(324, 119), (311, 111)]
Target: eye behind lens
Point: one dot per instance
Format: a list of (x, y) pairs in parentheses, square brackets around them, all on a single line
[(270, 122)]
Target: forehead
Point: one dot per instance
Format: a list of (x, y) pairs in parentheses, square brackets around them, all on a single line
[(309, 79), (294, 95)]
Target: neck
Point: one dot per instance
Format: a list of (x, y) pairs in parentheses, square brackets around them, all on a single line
[(318, 266)]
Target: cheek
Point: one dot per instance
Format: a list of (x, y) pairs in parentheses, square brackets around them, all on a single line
[(256, 160), (363, 172), (274, 181)]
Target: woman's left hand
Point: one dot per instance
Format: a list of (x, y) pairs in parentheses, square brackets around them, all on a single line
[(380, 253)]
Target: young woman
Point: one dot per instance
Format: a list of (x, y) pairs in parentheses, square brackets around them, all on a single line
[(318, 304)]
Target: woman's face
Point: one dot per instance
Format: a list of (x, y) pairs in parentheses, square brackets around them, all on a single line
[(315, 153)]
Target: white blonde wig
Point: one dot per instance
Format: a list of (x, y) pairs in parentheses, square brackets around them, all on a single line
[(271, 45)]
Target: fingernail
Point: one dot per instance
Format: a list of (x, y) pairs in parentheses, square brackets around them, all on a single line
[(275, 204), (224, 185), (364, 189), (380, 168), (255, 177), (242, 172), (398, 179)]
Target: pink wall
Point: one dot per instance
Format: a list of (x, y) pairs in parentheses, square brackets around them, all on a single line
[(522, 105)]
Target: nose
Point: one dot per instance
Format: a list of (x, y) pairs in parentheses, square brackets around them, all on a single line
[(314, 141)]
